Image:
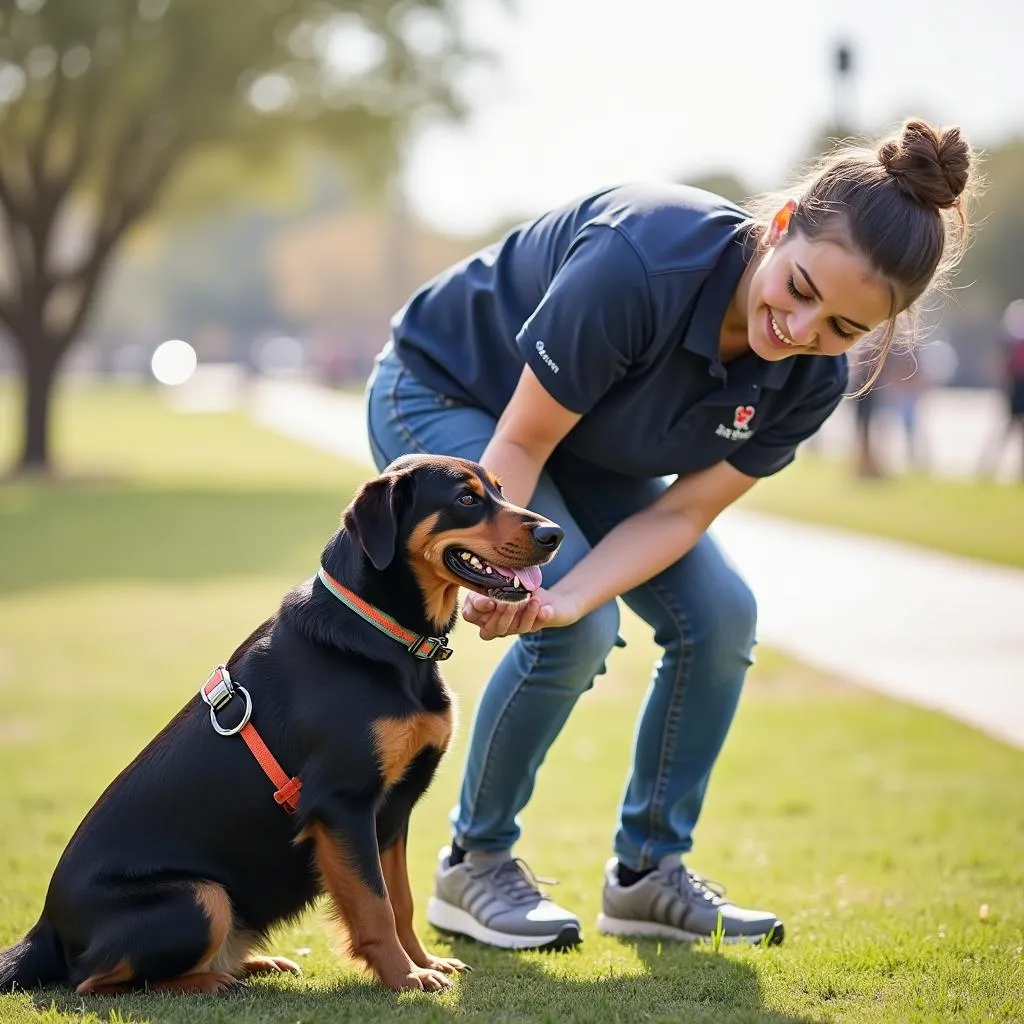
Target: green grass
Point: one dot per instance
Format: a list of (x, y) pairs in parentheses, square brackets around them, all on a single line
[(977, 519), (877, 831)]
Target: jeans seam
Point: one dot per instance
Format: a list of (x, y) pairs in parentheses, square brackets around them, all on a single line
[(670, 734), (375, 446), (400, 424), (482, 786), (680, 685)]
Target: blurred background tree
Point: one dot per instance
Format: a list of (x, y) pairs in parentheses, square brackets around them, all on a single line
[(104, 103)]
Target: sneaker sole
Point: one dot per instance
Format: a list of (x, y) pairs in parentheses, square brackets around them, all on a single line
[(655, 930), (446, 918)]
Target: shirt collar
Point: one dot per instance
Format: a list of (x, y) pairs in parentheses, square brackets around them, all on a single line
[(705, 328)]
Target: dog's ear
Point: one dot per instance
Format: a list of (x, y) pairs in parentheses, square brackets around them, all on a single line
[(372, 517)]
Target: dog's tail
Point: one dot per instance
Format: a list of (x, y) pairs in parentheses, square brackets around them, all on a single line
[(37, 960)]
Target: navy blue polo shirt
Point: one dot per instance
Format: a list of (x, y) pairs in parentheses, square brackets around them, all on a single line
[(616, 301)]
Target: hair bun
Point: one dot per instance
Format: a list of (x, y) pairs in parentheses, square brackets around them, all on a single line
[(931, 166)]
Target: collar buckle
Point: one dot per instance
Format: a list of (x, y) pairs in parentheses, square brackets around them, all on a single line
[(430, 648)]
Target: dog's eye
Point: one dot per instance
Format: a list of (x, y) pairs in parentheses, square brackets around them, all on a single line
[(468, 499)]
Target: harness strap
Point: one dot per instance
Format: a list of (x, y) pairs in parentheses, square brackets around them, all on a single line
[(218, 691)]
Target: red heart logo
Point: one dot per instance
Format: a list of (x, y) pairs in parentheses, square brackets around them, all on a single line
[(744, 414)]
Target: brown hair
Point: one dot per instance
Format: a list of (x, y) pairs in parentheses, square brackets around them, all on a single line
[(901, 204)]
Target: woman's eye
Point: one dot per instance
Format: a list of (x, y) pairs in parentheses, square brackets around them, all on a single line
[(840, 333), (468, 499), (791, 288)]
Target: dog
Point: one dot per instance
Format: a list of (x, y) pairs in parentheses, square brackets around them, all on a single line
[(190, 856)]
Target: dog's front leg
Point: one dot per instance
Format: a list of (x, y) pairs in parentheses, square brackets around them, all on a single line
[(396, 877), (345, 845)]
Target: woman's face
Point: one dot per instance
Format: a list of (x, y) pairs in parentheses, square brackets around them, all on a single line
[(812, 298)]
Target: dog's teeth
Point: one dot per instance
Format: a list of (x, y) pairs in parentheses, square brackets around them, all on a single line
[(465, 556), (515, 581), (488, 570)]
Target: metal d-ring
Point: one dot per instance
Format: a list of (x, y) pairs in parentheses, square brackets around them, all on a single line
[(245, 715)]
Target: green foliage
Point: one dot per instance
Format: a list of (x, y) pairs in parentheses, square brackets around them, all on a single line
[(102, 103), (992, 266), (112, 87), (723, 183)]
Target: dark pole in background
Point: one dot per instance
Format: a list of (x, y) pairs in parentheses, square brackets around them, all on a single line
[(842, 83)]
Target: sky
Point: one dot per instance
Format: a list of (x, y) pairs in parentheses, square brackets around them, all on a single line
[(588, 93)]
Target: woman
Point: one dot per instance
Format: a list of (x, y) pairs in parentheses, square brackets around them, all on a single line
[(638, 333)]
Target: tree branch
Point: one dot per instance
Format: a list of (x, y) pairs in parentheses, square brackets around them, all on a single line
[(9, 318), (116, 220), (37, 151)]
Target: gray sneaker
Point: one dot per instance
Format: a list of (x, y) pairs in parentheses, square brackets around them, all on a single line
[(674, 903), (494, 898)]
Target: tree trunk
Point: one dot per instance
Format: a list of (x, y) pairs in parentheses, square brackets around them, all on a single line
[(40, 363)]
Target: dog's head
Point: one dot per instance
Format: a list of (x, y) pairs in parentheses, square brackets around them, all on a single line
[(447, 520)]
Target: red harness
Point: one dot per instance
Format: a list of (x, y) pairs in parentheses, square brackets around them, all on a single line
[(218, 691)]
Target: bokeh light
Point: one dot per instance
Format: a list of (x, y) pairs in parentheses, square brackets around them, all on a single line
[(174, 362), (1013, 319)]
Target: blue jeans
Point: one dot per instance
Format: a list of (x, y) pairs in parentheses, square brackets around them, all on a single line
[(703, 617)]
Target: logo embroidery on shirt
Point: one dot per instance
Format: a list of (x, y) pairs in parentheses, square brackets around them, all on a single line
[(740, 429), (744, 414), (544, 355)]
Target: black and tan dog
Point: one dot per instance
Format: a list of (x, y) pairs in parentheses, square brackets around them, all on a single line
[(191, 855)]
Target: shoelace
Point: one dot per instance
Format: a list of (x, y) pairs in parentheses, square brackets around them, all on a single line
[(517, 882), (706, 888)]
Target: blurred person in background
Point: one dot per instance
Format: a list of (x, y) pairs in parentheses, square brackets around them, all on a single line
[(905, 380), (866, 405), (894, 396), (636, 334), (1011, 367)]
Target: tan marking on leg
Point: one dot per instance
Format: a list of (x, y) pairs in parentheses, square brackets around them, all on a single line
[(205, 982), (216, 905), (369, 919), (396, 877), (394, 864), (107, 982), (232, 956), (399, 740)]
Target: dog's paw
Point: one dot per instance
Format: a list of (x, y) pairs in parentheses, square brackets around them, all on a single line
[(423, 979), (270, 965), (430, 979), (446, 964)]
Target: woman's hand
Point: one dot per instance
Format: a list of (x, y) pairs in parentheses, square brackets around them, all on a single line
[(502, 618)]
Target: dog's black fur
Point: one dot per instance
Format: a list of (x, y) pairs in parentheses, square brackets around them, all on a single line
[(186, 861)]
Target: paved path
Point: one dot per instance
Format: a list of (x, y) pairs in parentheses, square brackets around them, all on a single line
[(939, 631)]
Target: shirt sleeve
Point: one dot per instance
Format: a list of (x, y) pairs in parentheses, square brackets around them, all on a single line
[(594, 320), (774, 449)]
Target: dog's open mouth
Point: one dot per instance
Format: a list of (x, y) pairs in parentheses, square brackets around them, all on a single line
[(495, 581)]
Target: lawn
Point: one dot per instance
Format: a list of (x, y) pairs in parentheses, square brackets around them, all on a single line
[(978, 519), (891, 840)]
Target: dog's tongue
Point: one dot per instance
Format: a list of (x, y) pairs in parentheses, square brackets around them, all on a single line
[(530, 577)]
